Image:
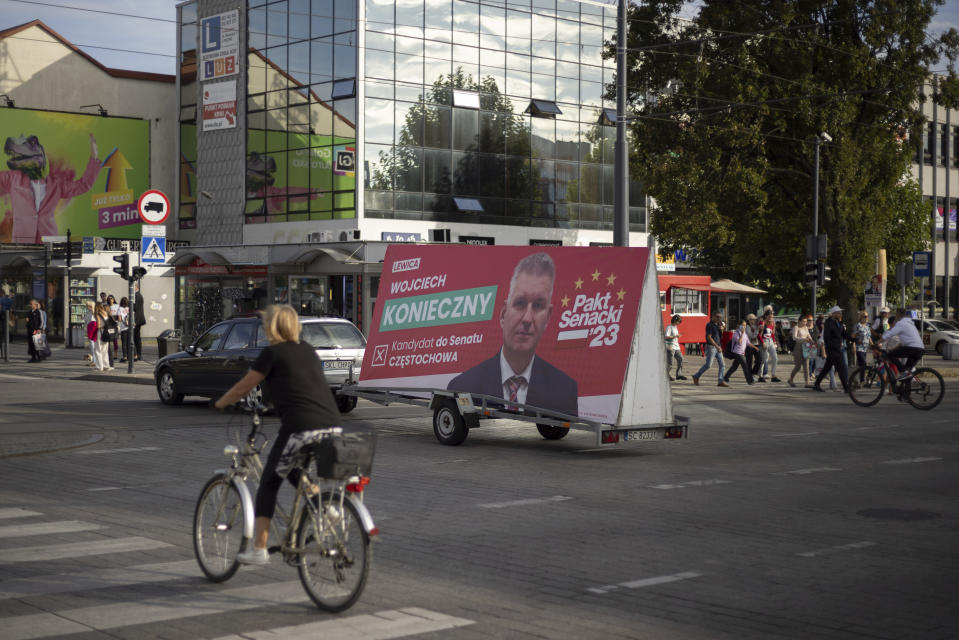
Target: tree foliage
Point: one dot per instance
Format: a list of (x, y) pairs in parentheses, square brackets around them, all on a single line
[(728, 153)]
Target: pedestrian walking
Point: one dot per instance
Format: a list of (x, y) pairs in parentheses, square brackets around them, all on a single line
[(767, 345), (34, 327), (89, 317), (672, 348), (753, 356), (139, 319), (833, 334), (863, 335), (114, 308), (739, 343), (714, 350), (105, 330), (882, 323), (124, 327), (804, 348)]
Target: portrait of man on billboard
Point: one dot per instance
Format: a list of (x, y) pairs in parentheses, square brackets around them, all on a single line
[(515, 372), (35, 190)]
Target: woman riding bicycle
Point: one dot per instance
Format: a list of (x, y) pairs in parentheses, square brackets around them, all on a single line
[(910, 342), (293, 378)]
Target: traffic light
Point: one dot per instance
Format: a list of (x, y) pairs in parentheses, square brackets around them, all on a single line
[(138, 272), (124, 269), (812, 272), (822, 277)]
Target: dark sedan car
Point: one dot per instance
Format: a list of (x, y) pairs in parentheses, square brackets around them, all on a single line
[(223, 355)]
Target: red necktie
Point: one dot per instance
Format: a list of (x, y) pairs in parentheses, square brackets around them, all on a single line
[(513, 384)]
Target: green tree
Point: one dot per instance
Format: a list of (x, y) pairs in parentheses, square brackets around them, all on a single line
[(728, 152)]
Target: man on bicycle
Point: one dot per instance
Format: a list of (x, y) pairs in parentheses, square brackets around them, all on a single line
[(910, 342)]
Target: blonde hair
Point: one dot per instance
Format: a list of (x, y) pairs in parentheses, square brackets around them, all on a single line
[(281, 324), (91, 306)]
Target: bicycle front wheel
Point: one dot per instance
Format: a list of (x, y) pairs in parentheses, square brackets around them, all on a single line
[(218, 529), (925, 389), (866, 386), (335, 555)]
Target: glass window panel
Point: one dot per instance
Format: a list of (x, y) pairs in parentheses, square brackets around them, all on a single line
[(409, 169), (276, 24), (567, 140), (435, 68), (608, 182), (544, 6), (278, 58), (323, 92), (276, 99), (544, 87), (494, 43), (542, 185), (517, 61), (518, 45), (589, 34), (344, 62), (409, 123), (469, 56), (492, 132), (409, 92), (466, 174), (466, 38), (409, 201), (544, 66), (567, 70), (518, 177), (543, 135), (518, 24), (591, 93), (466, 23), (299, 19), (188, 11), (591, 55), (439, 14), (493, 58), (321, 168), (517, 83), (410, 68), (379, 63), (300, 62), (493, 20), (543, 28), (379, 89), (437, 127), (346, 110), (565, 174), (257, 30), (439, 35), (344, 15), (567, 52), (409, 12), (379, 13), (517, 136), (379, 167), (409, 45), (465, 127), (493, 78), (590, 73), (321, 22), (344, 88), (379, 120), (437, 170), (321, 60), (492, 175), (590, 184), (567, 90)]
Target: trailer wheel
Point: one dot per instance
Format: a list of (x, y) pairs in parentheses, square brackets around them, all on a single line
[(346, 403), (550, 432), (448, 424)]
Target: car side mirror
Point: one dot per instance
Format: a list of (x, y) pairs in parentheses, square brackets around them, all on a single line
[(191, 349)]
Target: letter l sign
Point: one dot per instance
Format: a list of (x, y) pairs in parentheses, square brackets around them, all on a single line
[(211, 34)]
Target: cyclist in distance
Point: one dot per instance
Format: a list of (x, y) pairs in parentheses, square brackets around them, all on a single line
[(292, 376), (910, 342)]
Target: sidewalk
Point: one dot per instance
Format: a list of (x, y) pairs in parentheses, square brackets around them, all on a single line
[(68, 364)]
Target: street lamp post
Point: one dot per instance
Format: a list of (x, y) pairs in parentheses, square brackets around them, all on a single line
[(822, 137), (621, 166)]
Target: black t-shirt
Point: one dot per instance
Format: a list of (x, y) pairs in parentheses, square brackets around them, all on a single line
[(296, 385)]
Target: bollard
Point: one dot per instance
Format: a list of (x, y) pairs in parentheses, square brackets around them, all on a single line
[(6, 336)]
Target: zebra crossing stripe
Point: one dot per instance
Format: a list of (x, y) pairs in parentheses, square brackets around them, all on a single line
[(15, 512), (78, 549), (46, 528), (394, 623), (92, 579)]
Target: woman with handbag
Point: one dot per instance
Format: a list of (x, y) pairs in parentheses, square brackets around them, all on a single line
[(34, 327), (106, 331), (114, 309), (123, 316), (804, 347)]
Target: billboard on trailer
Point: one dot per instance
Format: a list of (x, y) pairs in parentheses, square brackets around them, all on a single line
[(551, 327)]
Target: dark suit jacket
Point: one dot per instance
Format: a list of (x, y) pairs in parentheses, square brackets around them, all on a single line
[(549, 387), (832, 334), (138, 318)]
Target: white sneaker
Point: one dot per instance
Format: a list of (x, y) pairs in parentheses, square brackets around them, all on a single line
[(253, 556)]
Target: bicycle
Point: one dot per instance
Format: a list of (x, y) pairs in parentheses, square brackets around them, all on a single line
[(327, 533), (923, 388)]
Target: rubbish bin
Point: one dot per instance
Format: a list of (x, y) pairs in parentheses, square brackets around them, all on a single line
[(168, 342)]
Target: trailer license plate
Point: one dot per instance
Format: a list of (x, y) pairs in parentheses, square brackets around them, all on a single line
[(639, 435), (337, 364)]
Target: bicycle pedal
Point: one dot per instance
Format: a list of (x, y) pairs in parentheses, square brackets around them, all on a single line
[(273, 549)]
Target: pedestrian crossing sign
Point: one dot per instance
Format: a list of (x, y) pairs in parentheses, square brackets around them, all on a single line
[(153, 250)]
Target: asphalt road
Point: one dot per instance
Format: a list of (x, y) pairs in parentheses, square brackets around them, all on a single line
[(786, 514)]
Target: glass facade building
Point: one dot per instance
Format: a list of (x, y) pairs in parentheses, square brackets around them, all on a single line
[(436, 110)]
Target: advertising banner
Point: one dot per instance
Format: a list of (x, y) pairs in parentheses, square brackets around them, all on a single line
[(219, 45), (219, 105), (71, 171), (550, 327)]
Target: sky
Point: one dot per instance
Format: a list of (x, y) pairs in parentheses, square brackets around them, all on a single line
[(141, 35)]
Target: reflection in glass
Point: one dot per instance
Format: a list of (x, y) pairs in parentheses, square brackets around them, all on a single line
[(299, 20), (439, 14)]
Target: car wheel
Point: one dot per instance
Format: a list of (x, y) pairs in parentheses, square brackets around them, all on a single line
[(167, 389), (346, 403), (941, 348)]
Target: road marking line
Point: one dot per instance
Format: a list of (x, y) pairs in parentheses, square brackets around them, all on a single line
[(97, 579), (78, 549), (836, 549), (691, 483), (797, 435), (45, 528), (16, 512), (106, 489), (912, 460), (394, 623), (647, 582), (87, 452), (806, 472), (112, 616), (522, 503)]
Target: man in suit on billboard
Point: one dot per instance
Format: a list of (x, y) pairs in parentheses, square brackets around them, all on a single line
[(515, 372)]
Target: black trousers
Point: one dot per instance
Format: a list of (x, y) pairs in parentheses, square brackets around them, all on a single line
[(137, 343), (740, 361), (753, 361), (270, 481), (834, 359)]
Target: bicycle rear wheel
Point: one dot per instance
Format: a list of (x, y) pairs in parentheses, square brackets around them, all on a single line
[(218, 529), (925, 389), (866, 386), (335, 555)]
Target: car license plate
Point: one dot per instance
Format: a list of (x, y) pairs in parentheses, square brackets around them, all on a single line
[(337, 364), (639, 435)]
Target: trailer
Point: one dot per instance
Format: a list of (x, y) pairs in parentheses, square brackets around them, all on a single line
[(456, 413)]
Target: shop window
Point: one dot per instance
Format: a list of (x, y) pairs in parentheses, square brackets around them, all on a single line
[(688, 301)]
